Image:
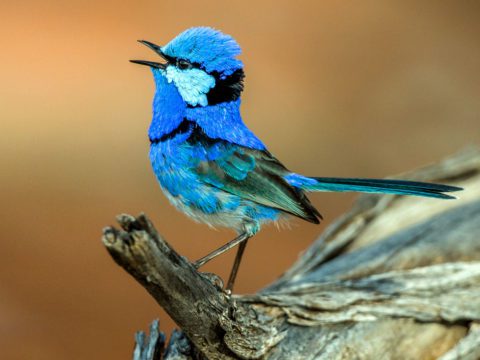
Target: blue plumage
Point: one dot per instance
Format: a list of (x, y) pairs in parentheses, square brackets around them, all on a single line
[(211, 49), (210, 165), (223, 121)]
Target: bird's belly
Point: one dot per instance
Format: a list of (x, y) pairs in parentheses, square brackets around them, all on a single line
[(175, 168), (217, 218)]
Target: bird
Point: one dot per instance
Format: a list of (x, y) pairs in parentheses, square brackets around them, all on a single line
[(211, 166)]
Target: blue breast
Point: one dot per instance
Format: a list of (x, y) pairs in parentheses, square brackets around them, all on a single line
[(174, 162)]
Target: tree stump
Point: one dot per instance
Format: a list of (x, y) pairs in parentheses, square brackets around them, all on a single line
[(394, 278)]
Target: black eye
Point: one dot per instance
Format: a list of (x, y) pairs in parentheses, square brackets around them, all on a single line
[(183, 64)]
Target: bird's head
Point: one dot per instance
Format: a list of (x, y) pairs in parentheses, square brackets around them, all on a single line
[(202, 64)]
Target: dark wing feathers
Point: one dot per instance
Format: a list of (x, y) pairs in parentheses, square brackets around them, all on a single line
[(256, 176)]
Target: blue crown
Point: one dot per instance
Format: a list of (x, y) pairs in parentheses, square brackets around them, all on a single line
[(210, 48)]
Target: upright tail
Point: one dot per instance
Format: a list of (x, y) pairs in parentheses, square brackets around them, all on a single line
[(381, 186)]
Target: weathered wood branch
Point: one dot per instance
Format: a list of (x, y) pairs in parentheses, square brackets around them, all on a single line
[(395, 278), (189, 297)]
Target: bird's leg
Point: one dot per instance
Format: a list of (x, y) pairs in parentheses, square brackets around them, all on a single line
[(221, 250), (236, 264)]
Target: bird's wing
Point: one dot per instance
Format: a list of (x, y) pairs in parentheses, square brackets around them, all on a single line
[(254, 175)]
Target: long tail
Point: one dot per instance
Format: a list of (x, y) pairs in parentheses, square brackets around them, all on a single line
[(399, 187)]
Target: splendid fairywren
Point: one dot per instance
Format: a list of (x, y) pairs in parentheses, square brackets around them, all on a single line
[(210, 165)]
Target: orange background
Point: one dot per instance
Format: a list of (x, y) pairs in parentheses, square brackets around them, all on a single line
[(348, 88)]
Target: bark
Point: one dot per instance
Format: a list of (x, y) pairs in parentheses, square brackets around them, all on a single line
[(394, 278)]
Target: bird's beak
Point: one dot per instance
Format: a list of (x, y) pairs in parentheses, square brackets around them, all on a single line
[(155, 48)]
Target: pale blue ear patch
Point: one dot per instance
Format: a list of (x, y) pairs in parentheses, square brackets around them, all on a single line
[(192, 84)]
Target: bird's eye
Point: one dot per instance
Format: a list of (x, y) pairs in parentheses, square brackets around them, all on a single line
[(183, 64)]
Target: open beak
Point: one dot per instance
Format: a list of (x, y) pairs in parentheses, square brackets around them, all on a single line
[(155, 48)]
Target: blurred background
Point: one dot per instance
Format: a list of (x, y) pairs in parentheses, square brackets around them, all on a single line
[(365, 89)]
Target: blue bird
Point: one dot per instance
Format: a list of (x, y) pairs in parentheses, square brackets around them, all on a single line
[(211, 166)]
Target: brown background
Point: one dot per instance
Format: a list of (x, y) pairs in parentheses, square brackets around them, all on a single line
[(360, 88)]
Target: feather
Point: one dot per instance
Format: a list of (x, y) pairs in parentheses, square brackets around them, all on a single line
[(383, 186)]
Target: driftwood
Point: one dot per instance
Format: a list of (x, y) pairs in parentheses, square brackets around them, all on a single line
[(395, 278)]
